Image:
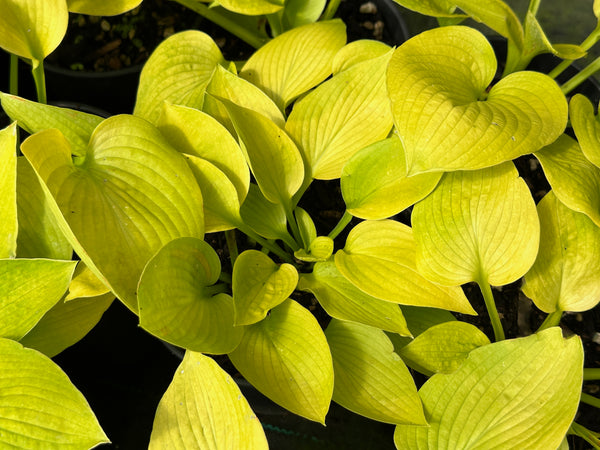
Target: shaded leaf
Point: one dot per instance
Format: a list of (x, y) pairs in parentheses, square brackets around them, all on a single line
[(586, 127), (264, 217), (9, 225), (252, 7)]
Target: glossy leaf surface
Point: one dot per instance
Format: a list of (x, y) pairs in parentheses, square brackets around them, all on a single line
[(8, 192)]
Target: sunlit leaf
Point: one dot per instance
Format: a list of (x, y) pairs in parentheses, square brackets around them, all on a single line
[(448, 120), (520, 393), (477, 226), (320, 249), (85, 284), (419, 320), (586, 127), (105, 8), (204, 408), (358, 51), (179, 302), (374, 182), (286, 357), (565, 274), (436, 8), (295, 61), (8, 192), (341, 116), (379, 259), (370, 379), (252, 7), (39, 406), (300, 12)]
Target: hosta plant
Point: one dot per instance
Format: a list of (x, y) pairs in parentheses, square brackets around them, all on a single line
[(307, 312)]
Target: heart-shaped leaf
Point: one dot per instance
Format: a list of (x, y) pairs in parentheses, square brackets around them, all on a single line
[(344, 301), (178, 71), (179, 302), (295, 61), (286, 357), (259, 285), (105, 8), (130, 177), (374, 182), (40, 407), (580, 190), (379, 259), (477, 226), (520, 393), (204, 408), (565, 274), (341, 116), (586, 127), (9, 225), (370, 379), (438, 83)]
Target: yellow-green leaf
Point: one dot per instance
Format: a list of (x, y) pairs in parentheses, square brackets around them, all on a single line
[(252, 7), (477, 226), (264, 217), (370, 379), (586, 127), (203, 408), (259, 285), (286, 357), (520, 393), (379, 259), (85, 284), (8, 192), (565, 274), (419, 320), (295, 61), (39, 406), (438, 83), (104, 8), (179, 302), (374, 182), (358, 51), (341, 116)]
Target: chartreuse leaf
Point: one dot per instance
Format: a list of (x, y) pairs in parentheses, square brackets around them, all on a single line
[(358, 51), (8, 192), (39, 406), (370, 379), (344, 301), (320, 249), (295, 61), (204, 408), (519, 393), (379, 259), (448, 120), (477, 226), (419, 320), (272, 155), (30, 287), (76, 126), (286, 357), (341, 116), (259, 285), (374, 182), (180, 303), (580, 191), (252, 7), (264, 217), (178, 71), (131, 178), (300, 12), (565, 274), (436, 8), (85, 284), (443, 347), (32, 28), (105, 8), (586, 127), (306, 226)]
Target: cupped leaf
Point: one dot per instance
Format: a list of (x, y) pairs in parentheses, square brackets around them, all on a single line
[(341, 116), (379, 259), (320, 249), (438, 83), (374, 182), (286, 357), (300, 12), (105, 8), (259, 285), (9, 225), (130, 177), (32, 28), (586, 127), (39, 406), (252, 7), (358, 51), (580, 190), (295, 61), (370, 379), (477, 226), (520, 393), (178, 71), (565, 274), (443, 347), (204, 408), (179, 302), (344, 301), (30, 287)]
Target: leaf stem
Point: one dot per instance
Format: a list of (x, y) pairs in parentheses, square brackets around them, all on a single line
[(534, 6), (590, 400), (490, 305), (209, 291), (294, 226), (225, 278), (13, 84), (40, 80), (580, 77), (343, 223), (552, 320), (271, 246), (231, 245), (588, 43), (591, 374), (331, 9), (589, 436)]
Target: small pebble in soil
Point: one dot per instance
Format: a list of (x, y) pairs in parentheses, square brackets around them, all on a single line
[(596, 338), (368, 8)]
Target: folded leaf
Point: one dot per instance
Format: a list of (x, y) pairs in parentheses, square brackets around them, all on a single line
[(85, 284), (8, 192), (105, 8), (286, 357), (264, 217), (586, 127), (520, 393), (370, 379)]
